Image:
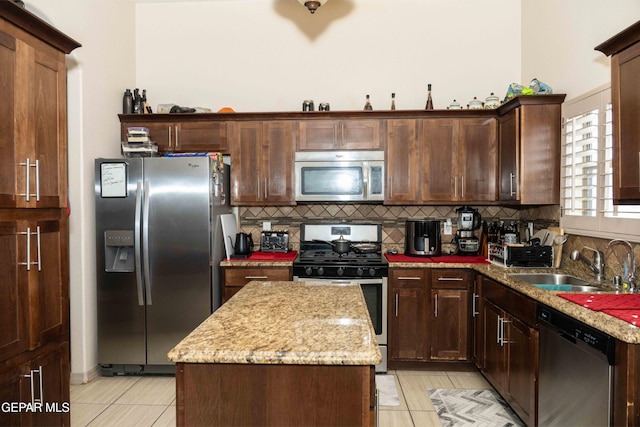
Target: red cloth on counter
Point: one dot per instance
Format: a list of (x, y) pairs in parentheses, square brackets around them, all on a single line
[(451, 259), (629, 316), (269, 256), (601, 302)]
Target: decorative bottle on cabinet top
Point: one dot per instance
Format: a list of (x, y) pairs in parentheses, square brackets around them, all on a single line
[(393, 101), (429, 105), (367, 105)]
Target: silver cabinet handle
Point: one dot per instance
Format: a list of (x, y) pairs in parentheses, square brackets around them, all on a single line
[(28, 260), (177, 137), (511, 179), (27, 181), (256, 277), (28, 263), (462, 187), (474, 307), (265, 189), (169, 135), (39, 262), (455, 187), (258, 189), (396, 298), (409, 278), (450, 279), (32, 374), (435, 305), (499, 324)]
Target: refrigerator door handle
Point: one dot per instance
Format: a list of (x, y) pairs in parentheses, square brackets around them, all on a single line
[(138, 243), (145, 242)]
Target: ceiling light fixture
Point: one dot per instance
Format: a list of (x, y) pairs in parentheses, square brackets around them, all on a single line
[(312, 5)]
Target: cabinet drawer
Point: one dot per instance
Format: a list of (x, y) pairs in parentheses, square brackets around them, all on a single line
[(451, 278), (510, 301), (242, 276), (409, 277)]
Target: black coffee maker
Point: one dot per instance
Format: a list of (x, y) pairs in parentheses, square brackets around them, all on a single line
[(469, 220)]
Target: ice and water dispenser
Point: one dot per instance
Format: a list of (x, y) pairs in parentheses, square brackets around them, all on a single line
[(118, 251)]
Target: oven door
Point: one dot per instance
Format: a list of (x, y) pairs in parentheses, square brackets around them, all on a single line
[(375, 295)]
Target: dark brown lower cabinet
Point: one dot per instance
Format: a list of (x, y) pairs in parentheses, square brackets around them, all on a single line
[(510, 343), (408, 339), (274, 395)]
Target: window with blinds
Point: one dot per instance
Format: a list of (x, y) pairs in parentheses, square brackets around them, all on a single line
[(587, 174)]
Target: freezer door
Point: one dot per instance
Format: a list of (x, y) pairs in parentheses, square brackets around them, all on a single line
[(176, 250), (120, 311)]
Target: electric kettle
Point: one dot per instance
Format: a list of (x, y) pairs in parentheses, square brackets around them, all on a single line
[(243, 246)]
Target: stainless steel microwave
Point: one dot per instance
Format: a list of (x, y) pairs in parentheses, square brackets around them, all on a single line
[(339, 176)]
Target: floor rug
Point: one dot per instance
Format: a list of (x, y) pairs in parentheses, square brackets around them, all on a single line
[(387, 391), (466, 407)]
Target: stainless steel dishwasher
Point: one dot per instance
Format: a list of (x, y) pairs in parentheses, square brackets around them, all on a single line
[(575, 386)]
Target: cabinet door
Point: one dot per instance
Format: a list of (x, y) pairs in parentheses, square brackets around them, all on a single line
[(13, 288), (277, 163), (12, 384), (317, 135), (625, 68), (477, 163), (33, 168), (403, 162), (201, 136), (522, 365), (360, 135), (509, 142), (246, 161), (50, 320), (494, 359), (407, 314), (439, 180), (449, 324), (50, 375)]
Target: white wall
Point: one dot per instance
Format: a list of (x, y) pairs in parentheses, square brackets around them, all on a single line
[(270, 55), (559, 38)]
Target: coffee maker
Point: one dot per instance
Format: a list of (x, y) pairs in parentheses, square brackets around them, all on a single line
[(469, 220)]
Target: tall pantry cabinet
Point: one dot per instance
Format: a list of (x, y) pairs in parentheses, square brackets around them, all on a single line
[(34, 271)]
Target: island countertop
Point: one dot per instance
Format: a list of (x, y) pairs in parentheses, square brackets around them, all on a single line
[(303, 323)]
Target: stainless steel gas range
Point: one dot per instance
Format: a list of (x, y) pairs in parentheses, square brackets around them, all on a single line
[(325, 256)]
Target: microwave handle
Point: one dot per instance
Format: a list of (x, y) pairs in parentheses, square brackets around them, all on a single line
[(365, 177)]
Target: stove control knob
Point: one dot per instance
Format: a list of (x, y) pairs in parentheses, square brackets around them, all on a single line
[(340, 271), (320, 271), (308, 271), (360, 271), (372, 272)]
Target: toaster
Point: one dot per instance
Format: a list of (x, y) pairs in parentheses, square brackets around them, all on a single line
[(274, 241)]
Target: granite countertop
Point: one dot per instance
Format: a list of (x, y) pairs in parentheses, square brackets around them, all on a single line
[(262, 259), (613, 326), (303, 323)]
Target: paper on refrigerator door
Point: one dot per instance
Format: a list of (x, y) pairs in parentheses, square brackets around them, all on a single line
[(229, 230)]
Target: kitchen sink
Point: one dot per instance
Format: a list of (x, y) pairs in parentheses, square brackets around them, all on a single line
[(556, 282)]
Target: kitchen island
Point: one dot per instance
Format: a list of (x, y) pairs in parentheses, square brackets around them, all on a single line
[(280, 353)]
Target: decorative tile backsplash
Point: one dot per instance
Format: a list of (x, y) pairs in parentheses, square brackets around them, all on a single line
[(392, 218)]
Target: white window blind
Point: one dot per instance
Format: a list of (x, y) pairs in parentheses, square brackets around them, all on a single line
[(587, 174)]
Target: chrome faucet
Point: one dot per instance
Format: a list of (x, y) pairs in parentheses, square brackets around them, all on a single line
[(597, 265), (631, 269)]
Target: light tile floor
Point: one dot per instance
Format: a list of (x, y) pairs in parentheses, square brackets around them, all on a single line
[(150, 401)]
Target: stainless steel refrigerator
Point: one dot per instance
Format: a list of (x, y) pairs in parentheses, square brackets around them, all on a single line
[(159, 246)]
